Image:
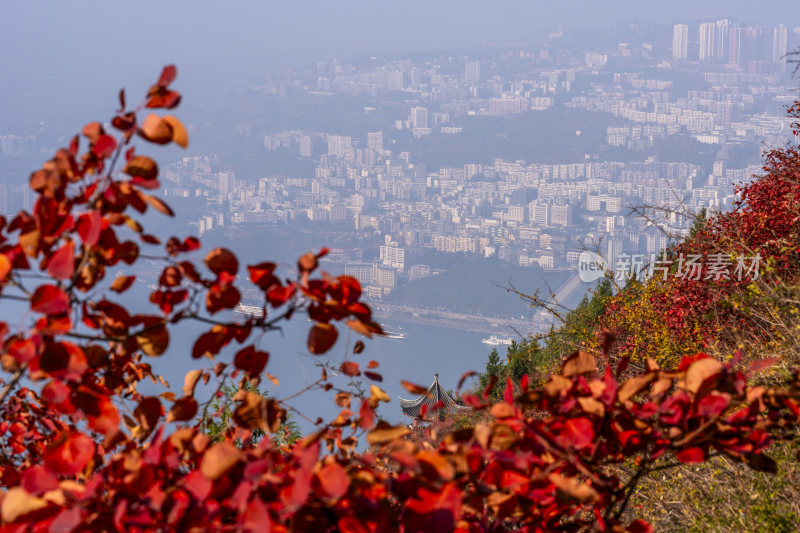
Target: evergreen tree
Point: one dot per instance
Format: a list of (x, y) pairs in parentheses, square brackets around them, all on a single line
[(699, 222), (494, 367)]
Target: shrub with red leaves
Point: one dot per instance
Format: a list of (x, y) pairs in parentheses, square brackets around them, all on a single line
[(83, 450)]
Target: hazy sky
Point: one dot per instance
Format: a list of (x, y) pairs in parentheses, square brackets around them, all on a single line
[(82, 49)]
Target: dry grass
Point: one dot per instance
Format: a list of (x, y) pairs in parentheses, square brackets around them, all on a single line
[(723, 496)]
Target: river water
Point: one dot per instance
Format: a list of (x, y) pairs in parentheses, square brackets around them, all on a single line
[(423, 351)]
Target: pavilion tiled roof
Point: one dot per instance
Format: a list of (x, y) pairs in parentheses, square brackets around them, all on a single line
[(431, 398)]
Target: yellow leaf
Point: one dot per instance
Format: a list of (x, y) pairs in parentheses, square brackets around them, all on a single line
[(376, 392), (18, 502), (179, 134)]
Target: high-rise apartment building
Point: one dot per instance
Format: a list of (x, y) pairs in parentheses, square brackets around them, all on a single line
[(708, 43), (472, 71), (516, 213), (539, 214), (713, 41), (306, 146), (375, 141), (780, 36), (393, 255), (338, 145), (418, 117), (561, 215), (721, 38), (226, 182), (680, 41)]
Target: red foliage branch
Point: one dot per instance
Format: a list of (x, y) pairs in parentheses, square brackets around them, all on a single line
[(83, 450), (764, 223)]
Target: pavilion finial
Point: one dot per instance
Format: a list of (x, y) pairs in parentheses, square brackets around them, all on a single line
[(436, 377)]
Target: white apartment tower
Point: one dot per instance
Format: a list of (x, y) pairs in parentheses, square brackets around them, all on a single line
[(306, 146), (375, 141), (472, 71), (707, 41), (779, 40), (680, 41), (418, 118), (713, 40), (226, 182), (338, 145), (393, 255)]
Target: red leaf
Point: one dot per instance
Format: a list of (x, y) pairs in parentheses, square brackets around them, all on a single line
[(22, 350), (508, 393), (183, 409), (278, 296), (63, 360), (262, 274), (222, 297), (333, 480), (66, 520), (578, 432), (168, 75), (689, 359), (321, 338), (148, 413), (761, 364), (351, 524), (38, 480), (464, 378), (104, 146), (712, 405), (694, 454), (251, 361), (220, 260), (100, 412), (54, 324), (413, 388), (198, 485), (189, 244), (70, 456), (62, 262), (472, 401), (256, 516), (210, 342), (350, 368), (640, 526), (89, 227), (165, 99), (50, 300), (374, 376), (366, 415)]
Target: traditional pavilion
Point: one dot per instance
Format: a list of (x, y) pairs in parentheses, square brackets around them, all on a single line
[(432, 398)]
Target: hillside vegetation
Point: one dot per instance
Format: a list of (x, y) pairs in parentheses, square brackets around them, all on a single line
[(729, 290)]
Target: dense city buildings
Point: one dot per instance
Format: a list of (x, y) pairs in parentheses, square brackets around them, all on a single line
[(446, 154), (528, 213)]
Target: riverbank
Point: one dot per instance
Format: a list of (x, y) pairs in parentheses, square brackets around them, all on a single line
[(458, 321)]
